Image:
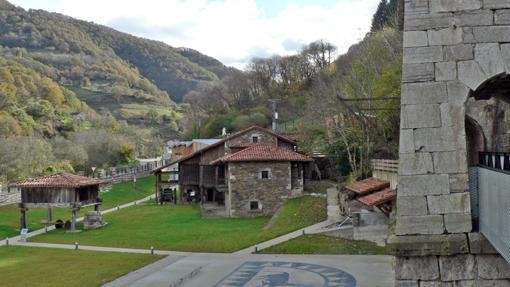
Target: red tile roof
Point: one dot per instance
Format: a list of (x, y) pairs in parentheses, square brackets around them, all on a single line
[(368, 185), (263, 152), (241, 145), (378, 198), (64, 180)]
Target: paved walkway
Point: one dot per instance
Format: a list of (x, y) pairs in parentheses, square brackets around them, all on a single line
[(16, 239), (100, 248)]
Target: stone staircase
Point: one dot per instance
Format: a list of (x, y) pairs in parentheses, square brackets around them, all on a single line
[(333, 207)]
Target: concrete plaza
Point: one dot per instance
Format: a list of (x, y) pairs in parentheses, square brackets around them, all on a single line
[(202, 270)]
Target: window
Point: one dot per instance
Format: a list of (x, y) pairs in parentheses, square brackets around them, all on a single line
[(255, 139), (254, 205), (264, 174)]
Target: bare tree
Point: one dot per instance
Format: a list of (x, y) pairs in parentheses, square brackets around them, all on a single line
[(320, 53)]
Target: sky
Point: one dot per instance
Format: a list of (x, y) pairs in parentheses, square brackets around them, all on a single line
[(232, 31)]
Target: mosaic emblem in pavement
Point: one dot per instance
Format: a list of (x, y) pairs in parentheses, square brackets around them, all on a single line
[(283, 274)]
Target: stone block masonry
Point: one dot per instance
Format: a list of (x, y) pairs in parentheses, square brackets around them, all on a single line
[(451, 47), (247, 187)]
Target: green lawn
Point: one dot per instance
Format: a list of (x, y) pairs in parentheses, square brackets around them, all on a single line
[(322, 244), (120, 194), (181, 227), (30, 266)]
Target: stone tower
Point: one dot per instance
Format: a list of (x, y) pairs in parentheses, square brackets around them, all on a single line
[(455, 53)]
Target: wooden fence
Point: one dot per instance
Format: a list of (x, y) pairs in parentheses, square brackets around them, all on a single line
[(386, 169), (126, 173)]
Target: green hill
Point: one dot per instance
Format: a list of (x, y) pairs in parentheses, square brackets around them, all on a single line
[(87, 56)]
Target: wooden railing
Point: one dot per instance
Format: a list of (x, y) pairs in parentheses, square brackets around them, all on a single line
[(386, 169), (388, 165)]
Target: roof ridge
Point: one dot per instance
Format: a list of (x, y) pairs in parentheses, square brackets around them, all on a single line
[(222, 141), (261, 152)]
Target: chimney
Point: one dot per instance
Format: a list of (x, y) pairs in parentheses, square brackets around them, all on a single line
[(274, 116)]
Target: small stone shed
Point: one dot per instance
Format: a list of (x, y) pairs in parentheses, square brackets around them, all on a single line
[(61, 190)]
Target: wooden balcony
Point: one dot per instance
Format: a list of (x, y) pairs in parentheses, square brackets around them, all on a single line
[(207, 176)]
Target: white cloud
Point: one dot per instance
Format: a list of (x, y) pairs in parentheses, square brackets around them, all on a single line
[(232, 31)]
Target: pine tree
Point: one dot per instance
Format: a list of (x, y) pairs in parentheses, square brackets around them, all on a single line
[(394, 14), (380, 16)]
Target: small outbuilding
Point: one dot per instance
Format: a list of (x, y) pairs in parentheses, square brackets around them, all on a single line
[(61, 190)]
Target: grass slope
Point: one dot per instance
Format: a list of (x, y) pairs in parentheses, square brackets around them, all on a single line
[(120, 194), (321, 244), (29, 266), (182, 228)]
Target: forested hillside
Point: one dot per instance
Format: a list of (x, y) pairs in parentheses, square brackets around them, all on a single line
[(346, 106), (75, 94), (45, 128), (32, 104)]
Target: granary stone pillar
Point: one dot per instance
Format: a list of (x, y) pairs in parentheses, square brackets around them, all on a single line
[(73, 218), (451, 47), (50, 215), (22, 216)]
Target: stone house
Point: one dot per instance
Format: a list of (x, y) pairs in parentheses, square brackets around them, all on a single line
[(248, 173), (452, 221)]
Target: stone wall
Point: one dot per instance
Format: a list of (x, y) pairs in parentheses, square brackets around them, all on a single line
[(246, 138), (9, 197), (474, 264), (451, 47), (246, 185)]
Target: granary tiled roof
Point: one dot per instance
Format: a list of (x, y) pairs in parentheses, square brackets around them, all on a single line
[(64, 180), (263, 152), (378, 197)]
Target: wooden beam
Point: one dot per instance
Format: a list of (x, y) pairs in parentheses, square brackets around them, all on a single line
[(48, 205)]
